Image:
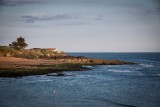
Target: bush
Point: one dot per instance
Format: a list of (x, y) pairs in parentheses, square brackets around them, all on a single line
[(29, 53), (6, 51)]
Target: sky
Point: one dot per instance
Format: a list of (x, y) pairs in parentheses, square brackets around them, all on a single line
[(82, 25)]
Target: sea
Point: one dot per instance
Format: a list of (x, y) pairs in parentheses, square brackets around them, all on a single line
[(101, 86)]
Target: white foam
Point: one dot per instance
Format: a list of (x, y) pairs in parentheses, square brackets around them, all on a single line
[(158, 74), (44, 80), (87, 66), (88, 75), (115, 70), (146, 65), (141, 74)]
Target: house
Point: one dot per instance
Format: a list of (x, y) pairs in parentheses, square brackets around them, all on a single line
[(52, 49)]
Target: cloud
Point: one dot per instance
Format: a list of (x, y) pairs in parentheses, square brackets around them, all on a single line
[(153, 10), (60, 19), (73, 23), (42, 17), (18, 2), (100, 16)]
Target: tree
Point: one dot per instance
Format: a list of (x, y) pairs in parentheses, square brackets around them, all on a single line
[(19, 44)]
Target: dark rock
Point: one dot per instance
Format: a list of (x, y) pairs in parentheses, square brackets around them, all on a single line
[(81, 57), (60, 74)]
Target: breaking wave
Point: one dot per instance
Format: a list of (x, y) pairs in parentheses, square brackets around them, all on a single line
[(146, 65), (116, 70)]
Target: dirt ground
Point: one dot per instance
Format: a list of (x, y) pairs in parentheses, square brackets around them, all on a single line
[(12, 62)]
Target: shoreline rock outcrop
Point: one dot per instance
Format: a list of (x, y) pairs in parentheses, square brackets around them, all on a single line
[(17, 67)]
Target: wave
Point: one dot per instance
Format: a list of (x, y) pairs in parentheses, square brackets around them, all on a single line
[(146, 65), (125, 105), (44, 80), (116, 103), (158, 74), (34, 81), (88, 66), (154, 75), (116, 70), (149, 75)]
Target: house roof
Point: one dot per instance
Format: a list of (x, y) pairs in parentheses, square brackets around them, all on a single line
[(50, 48)]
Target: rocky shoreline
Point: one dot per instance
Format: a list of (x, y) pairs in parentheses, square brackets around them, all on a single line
[(17, 67)]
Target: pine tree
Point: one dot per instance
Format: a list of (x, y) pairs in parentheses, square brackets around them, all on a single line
[(19, 44)]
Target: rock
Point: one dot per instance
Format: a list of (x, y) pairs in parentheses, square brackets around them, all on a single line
[(60, 74)]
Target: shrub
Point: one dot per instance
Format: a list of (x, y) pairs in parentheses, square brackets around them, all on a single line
[(6, 51), (29, 53)]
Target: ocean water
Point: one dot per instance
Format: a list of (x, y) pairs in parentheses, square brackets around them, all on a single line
[(102, 86)]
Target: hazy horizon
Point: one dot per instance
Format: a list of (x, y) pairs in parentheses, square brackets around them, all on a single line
[(83, 25)]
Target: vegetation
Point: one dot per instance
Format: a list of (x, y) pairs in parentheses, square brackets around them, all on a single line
[(29, 53), (17, 49), (62, 62), (6, 51), (19, 44)]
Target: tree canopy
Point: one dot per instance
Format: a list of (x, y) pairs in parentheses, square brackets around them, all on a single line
[(19, 43)]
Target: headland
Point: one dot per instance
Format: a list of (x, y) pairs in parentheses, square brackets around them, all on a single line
[(17, 63)]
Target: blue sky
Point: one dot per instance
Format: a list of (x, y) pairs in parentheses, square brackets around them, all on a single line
[(83, 25)]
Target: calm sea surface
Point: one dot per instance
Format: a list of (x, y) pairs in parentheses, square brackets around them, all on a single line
[(103, 86)]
